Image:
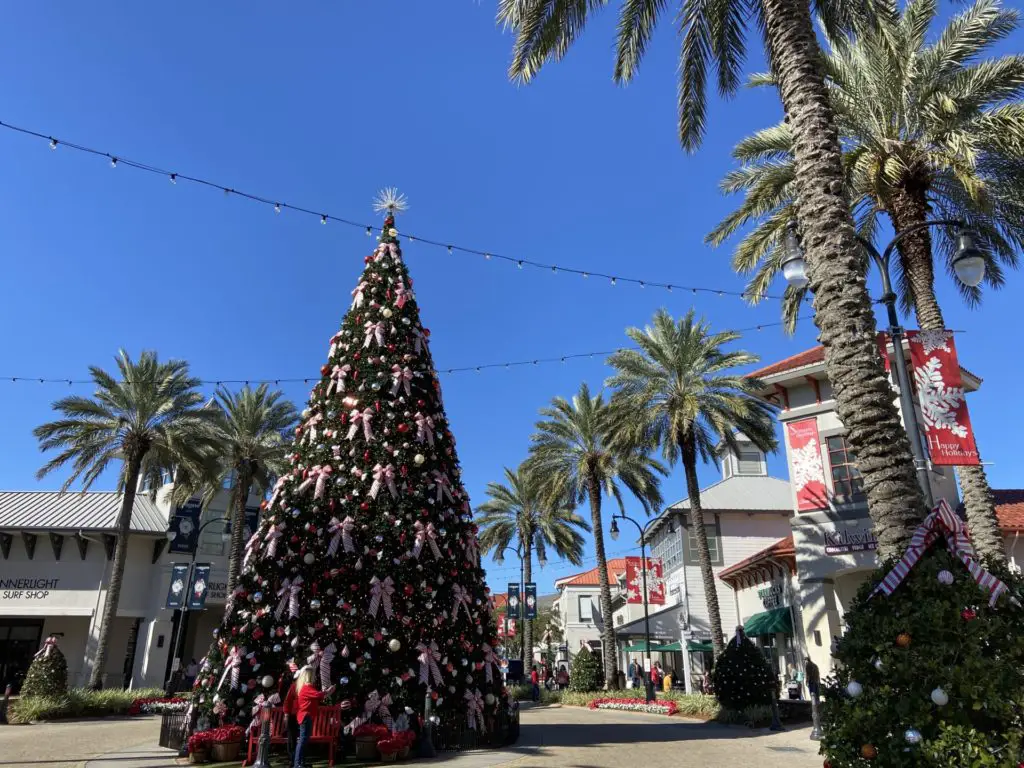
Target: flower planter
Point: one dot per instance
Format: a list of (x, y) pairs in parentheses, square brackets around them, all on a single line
[(403, 753), (199, 756), (389, 757), (225, 752), (366, 749)]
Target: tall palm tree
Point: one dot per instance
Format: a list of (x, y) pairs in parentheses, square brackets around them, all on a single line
[(678, 391), (577, 457), (517, 509), (929, 130), (713, 35), (151, 418)]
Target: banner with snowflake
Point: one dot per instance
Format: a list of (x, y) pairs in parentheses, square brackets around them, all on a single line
[(808, 473), (635, 581), (940, 391)]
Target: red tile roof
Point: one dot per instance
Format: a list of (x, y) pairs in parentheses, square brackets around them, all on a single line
[(1010, 509), (782, 550), (591, 578), (808, 357), (500, 601)]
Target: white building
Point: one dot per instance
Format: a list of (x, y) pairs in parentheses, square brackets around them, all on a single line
[(578, 608), (55, 563)]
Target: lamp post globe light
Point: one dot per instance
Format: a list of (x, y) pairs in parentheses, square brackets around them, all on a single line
[(614, 531), (969, 266)]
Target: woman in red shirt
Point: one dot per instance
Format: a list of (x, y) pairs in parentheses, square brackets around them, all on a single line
[(308, 700)]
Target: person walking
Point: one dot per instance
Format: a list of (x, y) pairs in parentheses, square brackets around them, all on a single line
[(309, 699), (549, 677), (634, 675), (535, 682), (190, 674), (562, 679)]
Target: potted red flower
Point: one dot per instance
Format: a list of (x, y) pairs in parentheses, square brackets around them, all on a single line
[(225, 743), (366, 737), (199, 747)]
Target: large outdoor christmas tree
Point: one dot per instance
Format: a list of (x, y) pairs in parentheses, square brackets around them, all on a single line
[(365, 563)]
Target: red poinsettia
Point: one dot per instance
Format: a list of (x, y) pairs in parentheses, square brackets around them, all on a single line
[(636, 705)]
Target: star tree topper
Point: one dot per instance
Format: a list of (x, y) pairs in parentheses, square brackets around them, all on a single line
[(390, 200)]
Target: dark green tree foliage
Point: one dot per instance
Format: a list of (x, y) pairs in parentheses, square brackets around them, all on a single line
[(48, 673), (586, 672), (366, 550), (741, 676), (935, 659)]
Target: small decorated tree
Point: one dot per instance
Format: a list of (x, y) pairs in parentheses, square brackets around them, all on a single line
[(48, 673), (585, 675), (741, 675), (931, 670)]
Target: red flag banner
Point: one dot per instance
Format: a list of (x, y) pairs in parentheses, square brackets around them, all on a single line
[(940, 391), (635, 581), (808, 472)]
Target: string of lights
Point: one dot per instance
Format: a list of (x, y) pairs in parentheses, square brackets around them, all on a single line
[(309, 379), (119, 161)]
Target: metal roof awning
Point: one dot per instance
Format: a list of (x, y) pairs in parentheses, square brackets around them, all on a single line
[(769, 622), (641, 647), (694, 646)]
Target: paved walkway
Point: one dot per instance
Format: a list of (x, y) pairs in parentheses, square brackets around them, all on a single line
[(552, 737)]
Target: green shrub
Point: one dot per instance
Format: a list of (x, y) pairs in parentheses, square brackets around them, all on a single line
[(48, 673), (935, 659), (77, 702), (742, 677), (586, 672), (525, 693)]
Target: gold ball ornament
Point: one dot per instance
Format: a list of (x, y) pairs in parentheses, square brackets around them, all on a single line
[(868, 751), (903, 640)]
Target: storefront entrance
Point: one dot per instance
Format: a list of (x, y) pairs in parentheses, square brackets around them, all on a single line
[(19, 641)]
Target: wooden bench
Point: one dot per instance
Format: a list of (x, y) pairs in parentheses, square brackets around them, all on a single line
[(326, 727)]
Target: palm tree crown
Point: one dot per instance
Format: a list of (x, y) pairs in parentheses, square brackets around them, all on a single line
[(923, 119)]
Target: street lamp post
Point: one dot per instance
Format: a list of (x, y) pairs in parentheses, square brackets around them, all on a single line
[(969, 265), (179, 635), (648, 683)]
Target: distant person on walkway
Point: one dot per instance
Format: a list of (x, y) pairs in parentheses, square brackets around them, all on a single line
[(190, 674), (666, 683), (562, 679), (309, 699), (535, 682), (634, 673), (813, 677), (549, 677)]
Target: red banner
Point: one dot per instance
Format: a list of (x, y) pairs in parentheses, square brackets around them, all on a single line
[(808, 473), (940, 391), (635, 581)]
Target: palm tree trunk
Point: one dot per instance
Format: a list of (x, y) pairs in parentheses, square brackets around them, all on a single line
[(607, 630), (843, 313), (124, 520), (242, 488), (908, 208), (527, 624), (689, 453)]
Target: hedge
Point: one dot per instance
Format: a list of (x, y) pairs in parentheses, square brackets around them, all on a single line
[(77, 702)]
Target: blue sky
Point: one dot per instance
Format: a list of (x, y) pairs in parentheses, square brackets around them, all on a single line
[(322, 106)]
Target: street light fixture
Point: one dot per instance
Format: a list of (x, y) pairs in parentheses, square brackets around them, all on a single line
[(614, 531), (969, 265)]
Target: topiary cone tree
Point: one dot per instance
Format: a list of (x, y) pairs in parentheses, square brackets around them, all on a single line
[(586, 672), (741, 676), (48, 673), (931, 669), (366, 562)]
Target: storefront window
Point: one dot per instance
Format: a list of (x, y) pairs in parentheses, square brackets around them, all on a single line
[(847, 483)]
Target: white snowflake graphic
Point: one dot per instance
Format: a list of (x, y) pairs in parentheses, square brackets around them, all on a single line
[(807, 466), (931, 341), (177, 586), (635, 588), (939, 402)]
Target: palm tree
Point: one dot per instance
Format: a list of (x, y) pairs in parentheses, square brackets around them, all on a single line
[(677, 391), (150, 420), (517, 509), (713, 34), (929, 129), (577, 458)]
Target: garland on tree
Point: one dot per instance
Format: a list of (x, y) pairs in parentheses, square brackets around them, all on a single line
[(366, 563), (48, 673), (742, 677), (929, 672)]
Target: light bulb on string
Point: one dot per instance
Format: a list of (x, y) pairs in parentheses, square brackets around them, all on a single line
[(487, 256), (53, 143), (585, 275), (113, 162), (642, 284), (554, 269), (613, 281), (519, 264), (277, 207), (174, 178), (669, 286), (369, 231), (323, 218)]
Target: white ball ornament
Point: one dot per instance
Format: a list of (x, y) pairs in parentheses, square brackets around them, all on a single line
[(854, 689), (419, 458), (387, 312), (940, 698), (308, 558), (394, 645), (268, 681), (239, 702), (945, 577), (912, 736), (489, 698)]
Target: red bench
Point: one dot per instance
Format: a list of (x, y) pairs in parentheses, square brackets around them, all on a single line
[(326, 727)]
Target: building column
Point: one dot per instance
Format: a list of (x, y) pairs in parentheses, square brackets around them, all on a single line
[(820, 620)]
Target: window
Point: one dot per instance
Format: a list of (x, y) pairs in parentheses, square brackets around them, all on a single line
[(713, 545), (586, 608), (749, 463), (668, 545), (847, 483)]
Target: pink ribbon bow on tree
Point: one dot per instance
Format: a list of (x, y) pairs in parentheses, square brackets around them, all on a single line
[(375, 704), (428, 658), (364, 417), (402, 294), (472, 549), (942, 522), (318, 475), (383, 476), (323, 659), (474, 710), (461, 597), (490, 660), (338, 375), (424, 429), (275, 533), (357, 295), (425, 534), (342, 534), (289, 594), (260, 702), (443, 485), (48, 647), (232, 666), (401, 377), (251, 548), (393, 250), (309, 428), (374, 332), (381, 592)]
